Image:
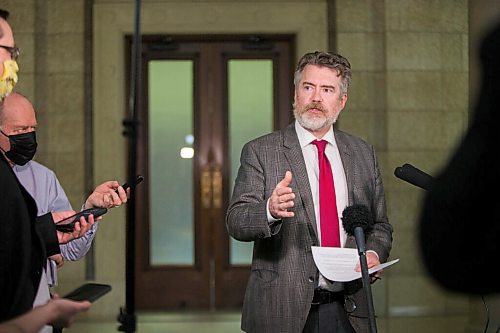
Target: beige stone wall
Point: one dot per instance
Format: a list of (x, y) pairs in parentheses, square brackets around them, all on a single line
[(409, 97)]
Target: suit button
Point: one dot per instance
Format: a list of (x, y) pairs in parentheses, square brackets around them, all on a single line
[(311, 279)]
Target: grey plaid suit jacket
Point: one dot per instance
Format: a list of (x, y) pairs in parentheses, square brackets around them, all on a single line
[(283, 274)]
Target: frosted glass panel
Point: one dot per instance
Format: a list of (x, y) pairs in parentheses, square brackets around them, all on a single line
[(250, 116), (171, 185)]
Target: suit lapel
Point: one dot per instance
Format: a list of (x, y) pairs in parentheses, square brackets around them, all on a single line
[(347, 163), (293, 153)]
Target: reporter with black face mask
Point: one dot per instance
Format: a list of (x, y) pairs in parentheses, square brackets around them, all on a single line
[(22, 147)]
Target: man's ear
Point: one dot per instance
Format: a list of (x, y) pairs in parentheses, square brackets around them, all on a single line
[(343, 100)]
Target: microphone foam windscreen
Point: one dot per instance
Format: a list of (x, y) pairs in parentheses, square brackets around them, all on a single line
[(357, 216)]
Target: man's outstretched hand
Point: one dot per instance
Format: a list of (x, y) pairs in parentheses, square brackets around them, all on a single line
[(282, 198)]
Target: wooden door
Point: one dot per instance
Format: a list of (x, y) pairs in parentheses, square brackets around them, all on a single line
[(197, 96)]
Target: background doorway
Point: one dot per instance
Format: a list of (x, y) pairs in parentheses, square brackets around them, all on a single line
[(202, 98)]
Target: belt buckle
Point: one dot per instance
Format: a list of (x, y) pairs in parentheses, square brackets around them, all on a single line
[(321, 297), (326, 297)]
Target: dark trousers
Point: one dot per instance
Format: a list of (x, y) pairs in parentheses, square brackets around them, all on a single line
[(329, 317)]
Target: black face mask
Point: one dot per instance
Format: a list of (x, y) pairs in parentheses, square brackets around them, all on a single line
[(22, 147)]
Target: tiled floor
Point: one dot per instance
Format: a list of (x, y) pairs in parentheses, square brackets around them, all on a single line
[(229, 322), (206, 322)]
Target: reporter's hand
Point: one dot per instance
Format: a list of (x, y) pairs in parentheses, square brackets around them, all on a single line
[(105, 195), (282, 198), (80, 229), (64, 311), (57, 312), (58, 259), (59, 216), (371, 261)]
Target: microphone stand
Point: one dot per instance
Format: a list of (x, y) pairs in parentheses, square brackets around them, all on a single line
[(127, 316), (360, 240)]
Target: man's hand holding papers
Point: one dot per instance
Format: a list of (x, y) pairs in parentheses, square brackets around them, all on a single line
[(339, 264)]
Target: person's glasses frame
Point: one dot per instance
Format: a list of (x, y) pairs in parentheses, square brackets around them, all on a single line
[(13, 50)]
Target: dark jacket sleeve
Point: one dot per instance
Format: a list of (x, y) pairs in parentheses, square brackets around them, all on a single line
[(21, 257), (46, 228)]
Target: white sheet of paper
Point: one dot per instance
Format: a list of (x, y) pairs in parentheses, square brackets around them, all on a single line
[(338, 264)]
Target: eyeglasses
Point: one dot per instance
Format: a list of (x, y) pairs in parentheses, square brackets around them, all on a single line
[(13, 50)]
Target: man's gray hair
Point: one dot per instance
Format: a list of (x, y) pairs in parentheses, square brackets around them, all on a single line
[(326, 59)]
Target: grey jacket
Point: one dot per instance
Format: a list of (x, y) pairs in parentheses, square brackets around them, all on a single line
[(283, 274)]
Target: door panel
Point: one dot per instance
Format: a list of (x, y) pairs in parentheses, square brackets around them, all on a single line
[(205, 97), (170, 129)]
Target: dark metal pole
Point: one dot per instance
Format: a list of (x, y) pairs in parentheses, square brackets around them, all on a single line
[(127, 316), (368, 292), (360, 242)]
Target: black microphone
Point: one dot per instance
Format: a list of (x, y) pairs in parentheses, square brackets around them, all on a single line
[(414, 176), (357, 221)]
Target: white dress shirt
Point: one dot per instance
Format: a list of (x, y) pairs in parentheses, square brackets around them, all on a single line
[(310, 153)]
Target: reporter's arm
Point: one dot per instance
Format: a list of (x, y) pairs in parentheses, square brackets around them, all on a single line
[(57, 312)]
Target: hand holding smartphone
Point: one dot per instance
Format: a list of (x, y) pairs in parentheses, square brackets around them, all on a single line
[(68, 224), (133, 184)]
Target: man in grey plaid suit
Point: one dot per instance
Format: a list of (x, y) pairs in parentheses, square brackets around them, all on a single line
[(275, 204)]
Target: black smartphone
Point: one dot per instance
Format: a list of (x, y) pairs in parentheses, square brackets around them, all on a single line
[(132, 185), (68, 224), (89, 292)]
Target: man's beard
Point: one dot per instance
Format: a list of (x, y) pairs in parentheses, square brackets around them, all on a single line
[(313, 122)]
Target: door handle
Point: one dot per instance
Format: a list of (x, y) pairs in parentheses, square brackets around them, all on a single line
[(216, 187), (206, 187), (211, 187)]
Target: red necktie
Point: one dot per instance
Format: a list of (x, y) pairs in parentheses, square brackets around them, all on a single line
[(329, 219)]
